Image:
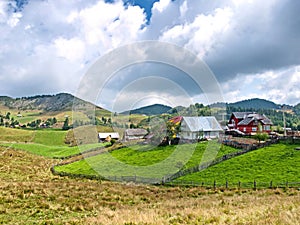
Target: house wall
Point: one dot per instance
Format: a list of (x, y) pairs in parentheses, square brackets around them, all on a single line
[(236, 121), (253, 128), (194, 135)]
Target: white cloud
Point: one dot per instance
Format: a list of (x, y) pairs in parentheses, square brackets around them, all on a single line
[(53, 40), (72, 49), (161, 5), (201, 34), (280, 86)]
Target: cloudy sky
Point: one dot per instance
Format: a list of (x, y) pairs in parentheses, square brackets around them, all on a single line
[(252, 47)]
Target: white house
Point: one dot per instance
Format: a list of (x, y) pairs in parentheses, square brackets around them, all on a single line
[(103, 136), (193, 128)]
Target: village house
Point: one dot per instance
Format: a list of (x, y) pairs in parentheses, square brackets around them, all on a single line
[(249, 122), (193, 128), (108, 136), (134, 134)]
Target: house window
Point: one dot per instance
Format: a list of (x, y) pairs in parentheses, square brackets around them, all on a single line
[(245, 129), (254, 129), (267, 127)]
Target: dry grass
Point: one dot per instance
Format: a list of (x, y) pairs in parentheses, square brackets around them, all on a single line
[(30, 194)]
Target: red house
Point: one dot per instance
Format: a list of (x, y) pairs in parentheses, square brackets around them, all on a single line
[(249, 122)]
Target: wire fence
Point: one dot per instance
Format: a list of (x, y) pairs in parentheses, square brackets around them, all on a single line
[(230, 185), (164, 181)]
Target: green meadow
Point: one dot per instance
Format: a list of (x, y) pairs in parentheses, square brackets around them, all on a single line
[(278, 163), (147, 161)]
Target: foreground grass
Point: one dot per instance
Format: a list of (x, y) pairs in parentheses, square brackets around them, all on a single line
[(278, 163), (30, 194)]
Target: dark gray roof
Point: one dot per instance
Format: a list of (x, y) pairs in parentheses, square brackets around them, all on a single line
[(246, 121), (241, 115), (255, 116), (135, 132)]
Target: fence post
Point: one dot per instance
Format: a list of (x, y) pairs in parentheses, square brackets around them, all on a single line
[(271, 184), (254, 185), (226, 184), (215, 184), (287, 184), (239, 184)]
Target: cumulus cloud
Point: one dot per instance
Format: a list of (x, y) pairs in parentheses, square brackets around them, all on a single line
[(56, 41), (46, 46)]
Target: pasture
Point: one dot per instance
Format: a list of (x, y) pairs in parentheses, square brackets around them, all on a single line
[(48, 143), (146, 161), (278, 163)]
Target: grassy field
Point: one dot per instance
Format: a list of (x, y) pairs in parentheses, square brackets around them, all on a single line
[(48, 143), (52, 151), (277, 163), (147, 161), (30, 194)]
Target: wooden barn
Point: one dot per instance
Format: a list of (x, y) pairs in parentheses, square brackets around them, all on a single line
[(249, 122), (134, 134)]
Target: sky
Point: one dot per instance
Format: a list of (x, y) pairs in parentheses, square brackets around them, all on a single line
[(251, 47)]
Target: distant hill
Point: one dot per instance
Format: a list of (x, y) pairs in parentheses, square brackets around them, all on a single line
[(255, 104), (155, 109), (58, 102)]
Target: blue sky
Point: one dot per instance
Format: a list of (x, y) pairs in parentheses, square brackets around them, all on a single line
[(252, 47)]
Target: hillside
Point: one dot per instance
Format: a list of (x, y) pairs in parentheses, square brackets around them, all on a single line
[(255, 104), (155, 109)]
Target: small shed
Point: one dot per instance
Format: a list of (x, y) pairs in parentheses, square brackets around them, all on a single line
[(103, 136), (134, 134)]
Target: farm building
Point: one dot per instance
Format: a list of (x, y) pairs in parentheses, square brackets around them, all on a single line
[(193, 128), (249, 122), (105, 136), (134, 134)]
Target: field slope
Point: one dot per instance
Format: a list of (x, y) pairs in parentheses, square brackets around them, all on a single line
[(279, 163)]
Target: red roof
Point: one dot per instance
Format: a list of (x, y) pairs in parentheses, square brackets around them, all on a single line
[(176, 119)]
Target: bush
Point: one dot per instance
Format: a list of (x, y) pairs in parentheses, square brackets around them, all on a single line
[(261, 136), (112, 141)]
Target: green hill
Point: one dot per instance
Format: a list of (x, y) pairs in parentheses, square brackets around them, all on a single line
[(155, 109), (255, 104)]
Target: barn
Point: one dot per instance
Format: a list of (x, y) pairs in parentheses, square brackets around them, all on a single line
[(134, 134)]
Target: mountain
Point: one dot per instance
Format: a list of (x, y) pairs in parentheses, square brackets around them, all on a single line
[(58, 102), (255, 104), (155, 109)]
